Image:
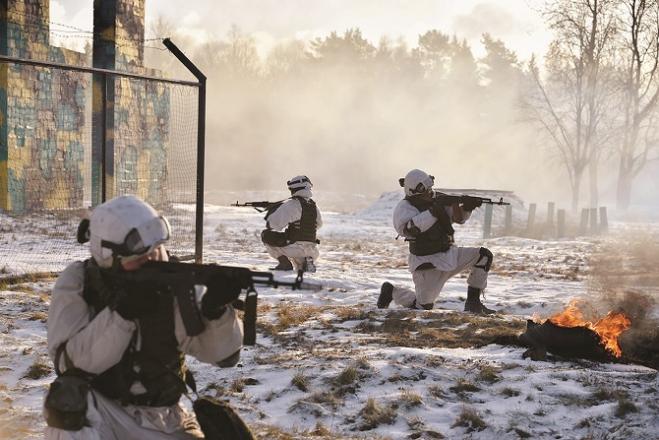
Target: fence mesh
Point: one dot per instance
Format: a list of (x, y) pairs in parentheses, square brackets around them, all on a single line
[(50, 170)]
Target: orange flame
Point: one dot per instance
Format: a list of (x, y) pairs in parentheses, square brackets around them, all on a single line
[(607, 328)]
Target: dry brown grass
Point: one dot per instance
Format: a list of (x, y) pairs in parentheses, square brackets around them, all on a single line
[(470, 419), (624, 407), (38, 370), (444, 329), (14, 282), (300, 381), (347, 376), (410, 399), (290, 314), (436, 391), (488, 373), (510, 392), (351, 313), (326, 398), (464, 386), (374, 415), (238, 385)]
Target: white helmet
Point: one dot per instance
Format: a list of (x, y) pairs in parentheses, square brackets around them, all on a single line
[(416, 182), (125, 228), (299, 183)]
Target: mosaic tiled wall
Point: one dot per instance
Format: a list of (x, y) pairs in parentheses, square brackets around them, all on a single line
[(44, 113), (140, 110)]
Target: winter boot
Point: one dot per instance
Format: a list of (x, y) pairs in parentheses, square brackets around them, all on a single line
[(474, 304), (308, 265), (386, 295), (284, 263)]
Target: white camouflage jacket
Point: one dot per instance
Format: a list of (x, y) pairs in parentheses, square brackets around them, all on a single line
[(94, 345), (405, 214), (291, 211)]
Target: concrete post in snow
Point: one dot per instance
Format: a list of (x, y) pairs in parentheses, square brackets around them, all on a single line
[(584, 221), (560, 227)]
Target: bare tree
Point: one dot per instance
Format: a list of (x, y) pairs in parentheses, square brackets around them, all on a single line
[(639, 51), (572, 102)]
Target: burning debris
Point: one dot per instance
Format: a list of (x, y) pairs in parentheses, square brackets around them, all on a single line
[(569, 334)]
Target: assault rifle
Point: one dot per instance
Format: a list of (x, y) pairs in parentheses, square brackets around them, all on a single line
[(260, 206), (447, 199), (185, 280)]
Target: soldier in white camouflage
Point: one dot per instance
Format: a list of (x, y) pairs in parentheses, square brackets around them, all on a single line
[(128, 344), (434, 258), (290, 234)]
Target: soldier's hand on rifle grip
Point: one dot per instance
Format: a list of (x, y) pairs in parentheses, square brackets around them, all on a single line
[(471, 203), (221, 291)]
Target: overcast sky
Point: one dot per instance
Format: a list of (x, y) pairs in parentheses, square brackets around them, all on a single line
[(516, 22)]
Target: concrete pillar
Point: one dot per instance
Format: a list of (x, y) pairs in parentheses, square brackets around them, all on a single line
[(583, 224), (549, 227), (593, 220), (508, 225), (531, 220), (487, 222), (604, 220), (560, 227)]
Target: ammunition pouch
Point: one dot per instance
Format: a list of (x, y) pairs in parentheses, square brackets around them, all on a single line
[(274, 238), (66, 401)]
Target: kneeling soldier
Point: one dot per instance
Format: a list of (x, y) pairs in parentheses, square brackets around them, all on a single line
[(296, 247), (427, 225), (120, 349)]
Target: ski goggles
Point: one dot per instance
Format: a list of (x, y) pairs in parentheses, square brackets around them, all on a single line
[(142, 239)]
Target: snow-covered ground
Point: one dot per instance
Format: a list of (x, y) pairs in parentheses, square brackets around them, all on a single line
[(329, 364)]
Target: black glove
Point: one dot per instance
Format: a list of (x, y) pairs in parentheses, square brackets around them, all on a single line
[(135, 303), (471, 203), (222, 290)]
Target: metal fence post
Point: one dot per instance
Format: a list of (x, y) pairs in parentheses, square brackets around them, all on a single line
[(487, 222), (201, 145)]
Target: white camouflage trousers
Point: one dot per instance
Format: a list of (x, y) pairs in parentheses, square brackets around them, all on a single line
[(111, 421), (296, 252), (428, 283)]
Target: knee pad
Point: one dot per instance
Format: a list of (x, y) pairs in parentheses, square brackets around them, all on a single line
[(486, 258)]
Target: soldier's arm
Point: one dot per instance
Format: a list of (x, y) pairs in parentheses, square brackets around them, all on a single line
[(93, 346), (220, 341), (288, 212), (319, 219), (409, 222)]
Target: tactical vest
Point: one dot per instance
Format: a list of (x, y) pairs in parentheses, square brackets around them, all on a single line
[(305, 228), (438, 238), (158, 364)]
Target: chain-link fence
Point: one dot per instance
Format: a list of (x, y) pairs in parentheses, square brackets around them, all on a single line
[(72, 137)]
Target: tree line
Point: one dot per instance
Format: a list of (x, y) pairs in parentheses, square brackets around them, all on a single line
[(357, 111)]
